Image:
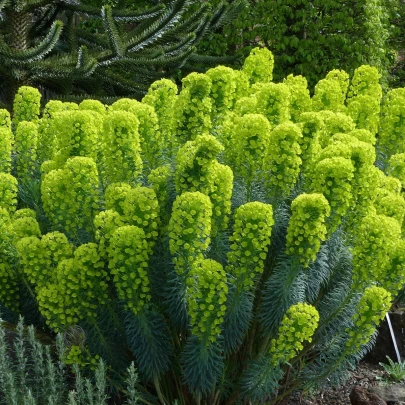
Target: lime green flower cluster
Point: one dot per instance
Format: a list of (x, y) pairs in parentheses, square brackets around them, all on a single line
[(76, 134), (250, 242), (121, 159), (5, 119), (394, 278), (391, 205), (192, 111), (220, 195), (258, 66), (79, 290), (365, 82), (206, 298), (162, 96), (6, 145), (159, 179), (115, 195), (150, 137), (334, 123), (300, 99), (46, 133), (245, 105), (9, 291), (365, 112), (307, 227), (6, 235), (24, 213), (297, 326), (273, 101), (342, 78), (332, 178), (8, 192), (193, 161), (141, 208), (363, 135), (282, 158), (222, 89), (81, 356), (330, 93), (391, 134), (27, 104), (376, 238), (26, 226), (128, 262), (371, 309), (105, 223), (189, 229), (26, 138), (92, 105), (311, 124), (39, 257), (70, 195), (396, 167), (248, 145)]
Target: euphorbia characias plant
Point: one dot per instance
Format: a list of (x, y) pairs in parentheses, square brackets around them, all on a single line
[(237, 239)]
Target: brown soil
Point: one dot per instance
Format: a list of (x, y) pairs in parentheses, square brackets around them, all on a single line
[(365, 375)]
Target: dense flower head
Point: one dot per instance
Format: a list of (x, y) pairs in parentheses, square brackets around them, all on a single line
[(25, 147), (311, 124), (25, 226), (8, 192), (245, 105), (297, 326), (5, 119), (141, 208), (307, 227), (76, 134), (70, 195), (220, 194), (365, 82), (6, 145), (24, 213), (192, 111), (249, 242), (162, 96), (375, 240), (365, 111), (371, 309), (391, 135), (222, 89), (396, 167), (121, 159), (193, 161), (206, 298), (160, 179), (150, 136), (105, 223), (334, 122), (9, 291), (273, 101), (282, 158), (300, 99), (394, 278), (391, 205), (363, 135), (115, 195), (80, 290), (92, 105), (328, 95), (189, 229), (39, 257), (27, 104), (128, 263), (249, 143), (332, 178), (258, 66)]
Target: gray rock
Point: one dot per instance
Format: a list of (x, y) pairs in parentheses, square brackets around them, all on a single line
[(390, 393), (361, 396)]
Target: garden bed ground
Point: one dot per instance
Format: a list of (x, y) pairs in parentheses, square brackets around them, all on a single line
[(365, 375)]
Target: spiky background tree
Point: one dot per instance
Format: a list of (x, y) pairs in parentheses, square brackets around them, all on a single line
[(46, 44)]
